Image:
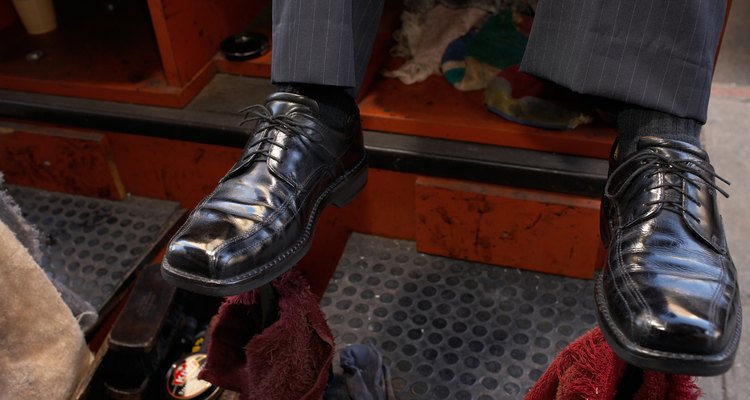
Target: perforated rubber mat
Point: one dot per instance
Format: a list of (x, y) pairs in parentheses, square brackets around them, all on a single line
[(451, 329), (93, 245)]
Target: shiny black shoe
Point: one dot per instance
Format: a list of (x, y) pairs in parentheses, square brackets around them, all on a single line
[(668, 298), (259, 221)]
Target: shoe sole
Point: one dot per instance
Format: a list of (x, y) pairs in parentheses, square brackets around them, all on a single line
[(669, 362), (340, 193)]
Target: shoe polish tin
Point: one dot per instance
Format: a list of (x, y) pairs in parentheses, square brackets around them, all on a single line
[(183, 382)]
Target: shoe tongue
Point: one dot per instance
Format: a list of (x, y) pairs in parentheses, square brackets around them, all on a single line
[(282, 103), (669, 146)]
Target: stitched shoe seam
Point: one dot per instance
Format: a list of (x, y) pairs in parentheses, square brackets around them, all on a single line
[(614, 278), (257, 227), (303, 238), (717, 293), (190, 221), (266, 222), (626, 276), (308, 227)]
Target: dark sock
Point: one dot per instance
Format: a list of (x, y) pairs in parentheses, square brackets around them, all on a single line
[(336, 105), (634, 123)]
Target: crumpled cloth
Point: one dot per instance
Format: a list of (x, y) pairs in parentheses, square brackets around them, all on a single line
[(472, 61), (283, 358), (589, 369), (428, 41), (360, 375), (414, 12), (44, 354), (528, 100)]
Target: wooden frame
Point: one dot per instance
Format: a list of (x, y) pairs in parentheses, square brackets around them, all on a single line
[(155, 52)]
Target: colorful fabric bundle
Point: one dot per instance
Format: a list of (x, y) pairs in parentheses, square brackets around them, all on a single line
[(471, 61)]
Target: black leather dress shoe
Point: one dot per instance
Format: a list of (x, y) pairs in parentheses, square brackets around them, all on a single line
[(668, 298), (259, 221)]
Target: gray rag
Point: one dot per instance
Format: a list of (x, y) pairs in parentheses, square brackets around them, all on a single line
[(360, 375), (12, 216)]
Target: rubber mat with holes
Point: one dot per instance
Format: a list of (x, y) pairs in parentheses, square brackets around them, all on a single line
[(451, 329), (93, 245)]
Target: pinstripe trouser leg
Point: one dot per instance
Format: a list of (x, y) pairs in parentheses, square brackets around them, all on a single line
[(324, 42), (657, 54)]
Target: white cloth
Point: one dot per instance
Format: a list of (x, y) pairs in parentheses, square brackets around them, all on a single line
[(440, 27)]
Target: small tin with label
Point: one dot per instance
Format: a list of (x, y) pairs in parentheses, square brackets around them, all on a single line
[(183, 382)]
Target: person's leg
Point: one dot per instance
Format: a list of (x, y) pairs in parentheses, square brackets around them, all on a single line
[(321, 50), (658, 55), (306, 152), (325, 43), (667, 298)]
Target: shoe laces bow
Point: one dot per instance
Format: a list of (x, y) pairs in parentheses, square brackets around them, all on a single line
[(688, 171), (264, 140)]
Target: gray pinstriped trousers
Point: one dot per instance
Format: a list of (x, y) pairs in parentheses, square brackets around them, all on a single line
[(324, 42), (657, 54)]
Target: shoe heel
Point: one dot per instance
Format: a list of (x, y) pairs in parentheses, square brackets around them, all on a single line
[(350, 188)]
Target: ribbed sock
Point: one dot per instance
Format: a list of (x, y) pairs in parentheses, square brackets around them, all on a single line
[(336, 105), (634, 123)]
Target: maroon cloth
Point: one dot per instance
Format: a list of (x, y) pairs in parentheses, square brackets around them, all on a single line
[(290, 359), (589, 369)]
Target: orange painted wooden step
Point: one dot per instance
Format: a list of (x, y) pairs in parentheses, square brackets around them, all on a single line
[(59, 159), (521, 228)]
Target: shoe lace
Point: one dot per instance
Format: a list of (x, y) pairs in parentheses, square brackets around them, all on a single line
[(266, 122), (688, 171), (290, 124)]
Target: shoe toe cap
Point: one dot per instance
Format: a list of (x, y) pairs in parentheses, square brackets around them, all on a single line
[(188, 256), (194, 249), (672, 321), (680, 331), (220, 249)]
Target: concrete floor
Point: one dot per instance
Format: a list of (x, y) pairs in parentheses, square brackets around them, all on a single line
[(733, 66), (726, 139)]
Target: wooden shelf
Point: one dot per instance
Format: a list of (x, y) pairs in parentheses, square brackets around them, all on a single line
[(434, 108), (259, 67), (92, 52), (155, 52)]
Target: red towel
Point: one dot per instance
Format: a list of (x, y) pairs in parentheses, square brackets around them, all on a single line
[(290, 359), (589, 369)]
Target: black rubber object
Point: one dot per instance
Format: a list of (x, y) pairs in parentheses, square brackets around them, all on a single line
[(244, 46)]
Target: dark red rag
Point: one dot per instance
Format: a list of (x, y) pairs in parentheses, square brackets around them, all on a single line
[(589, 369), (290, 359)]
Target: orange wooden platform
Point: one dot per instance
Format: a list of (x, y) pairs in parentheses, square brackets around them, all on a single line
[(527, 229), (434, 108)]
